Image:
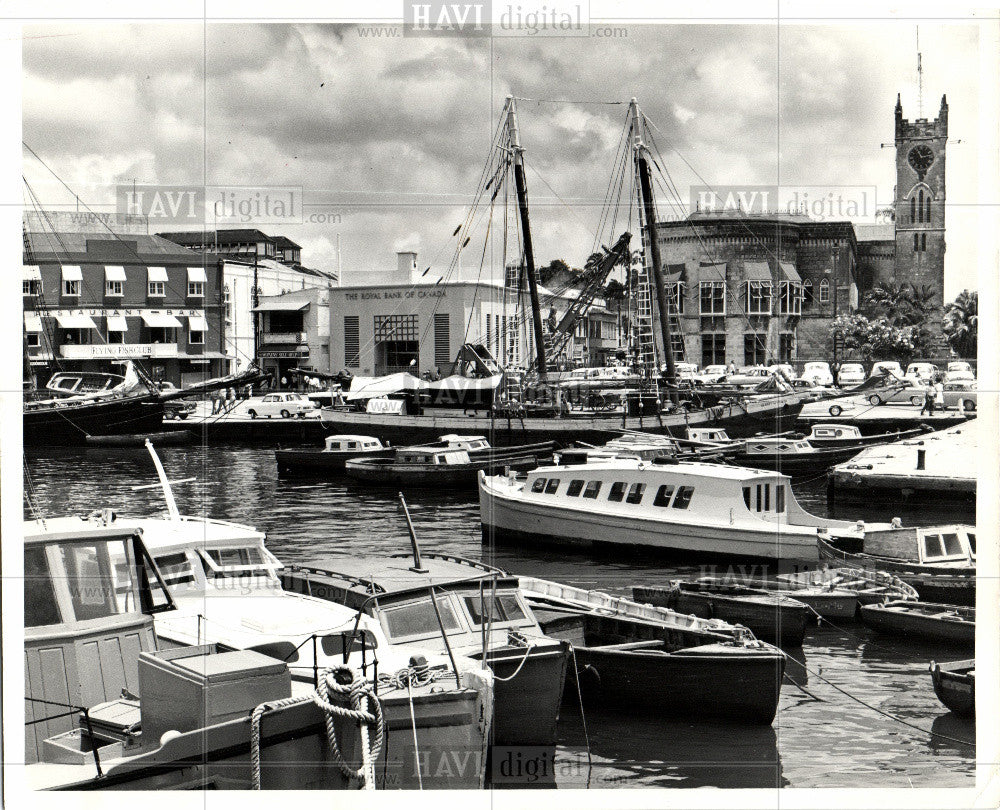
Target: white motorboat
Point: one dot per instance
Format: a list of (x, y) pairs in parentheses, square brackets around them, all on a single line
[(708, 509)]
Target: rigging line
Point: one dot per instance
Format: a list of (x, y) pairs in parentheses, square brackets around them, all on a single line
[(616, 166), (568, 207), (569, 101)]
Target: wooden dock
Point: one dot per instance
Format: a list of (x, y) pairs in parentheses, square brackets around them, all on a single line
[(936, 464)]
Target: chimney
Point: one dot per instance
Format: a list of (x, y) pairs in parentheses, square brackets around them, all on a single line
[(406, 264)]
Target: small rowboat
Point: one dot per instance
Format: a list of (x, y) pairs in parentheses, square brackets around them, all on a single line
[(955, 685), (836, 435), (939, 562), (824, 601), (771, 616), (823, 589), (923, 621), (633, 657)]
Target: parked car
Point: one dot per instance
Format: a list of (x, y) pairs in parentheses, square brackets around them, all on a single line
[(710, 374), (749, 375), (686, 371), (923, 372), (887, 366), (178, 409), (820, 372), (959, 371), (906, 390), (850, 374), (284, 405), (961, 392), (784, 368)]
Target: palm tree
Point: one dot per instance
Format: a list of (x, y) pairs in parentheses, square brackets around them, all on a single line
[(961, 324)]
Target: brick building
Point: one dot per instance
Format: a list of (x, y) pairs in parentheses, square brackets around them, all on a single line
[(95, 297)]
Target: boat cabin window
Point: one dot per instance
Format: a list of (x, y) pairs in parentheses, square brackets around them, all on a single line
[(972, 542), (538, 485), (40, 606), (779, 498), (176, 568), (617, 492), (592, 490), (575, 487), (242, 563), (635, 493), (419, 619), (551, 486), (683, 497), (663, 495), (352, 445), (746, 497), (758, 498), (505, 608), (952, 545), (440, 459)]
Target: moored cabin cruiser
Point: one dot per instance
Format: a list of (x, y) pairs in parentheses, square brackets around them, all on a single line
[(144, 715), (682, 507), (336, 450)]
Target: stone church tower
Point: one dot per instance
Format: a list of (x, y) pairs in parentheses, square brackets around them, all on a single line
[(920, 196)]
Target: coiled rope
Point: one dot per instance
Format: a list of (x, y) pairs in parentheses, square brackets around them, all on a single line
[(366, 710)]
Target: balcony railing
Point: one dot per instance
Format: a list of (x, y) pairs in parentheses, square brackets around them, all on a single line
[(114, 351), (283, 337)]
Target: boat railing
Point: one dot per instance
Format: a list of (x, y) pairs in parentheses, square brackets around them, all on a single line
[(622, 606), (368, 585), (440, 555)]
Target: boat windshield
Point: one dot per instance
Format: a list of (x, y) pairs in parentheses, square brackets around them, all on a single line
[(943, 545), (77, 580)]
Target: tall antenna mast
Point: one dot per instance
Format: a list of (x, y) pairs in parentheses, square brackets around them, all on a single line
[(920, 79)]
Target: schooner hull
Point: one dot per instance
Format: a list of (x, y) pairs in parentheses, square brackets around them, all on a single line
[(72, 423)]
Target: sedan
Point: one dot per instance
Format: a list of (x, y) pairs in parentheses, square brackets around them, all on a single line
[(960, 393), (820, 372), (850, 374), (283, 405), (908, 391), (959, 371), (710, 374)]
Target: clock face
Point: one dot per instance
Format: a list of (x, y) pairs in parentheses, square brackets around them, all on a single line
[(920, 158)]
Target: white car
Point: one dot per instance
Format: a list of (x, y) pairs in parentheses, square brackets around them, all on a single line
[(784, 368), (887, 367), (686, 371), (959, 371), (710, 374), (850, 374), (820, 372), (921, 372), (285, 405)]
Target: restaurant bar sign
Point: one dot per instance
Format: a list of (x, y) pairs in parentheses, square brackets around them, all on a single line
[(100, 312)]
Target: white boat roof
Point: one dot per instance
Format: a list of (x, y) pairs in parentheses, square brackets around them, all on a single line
[(159, 533), (457, 438), (350, 437), (699, 469)]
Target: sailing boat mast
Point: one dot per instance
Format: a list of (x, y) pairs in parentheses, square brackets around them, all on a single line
[(649, 214), (529, 256)]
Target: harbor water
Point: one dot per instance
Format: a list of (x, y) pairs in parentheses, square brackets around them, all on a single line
[(822, 736)]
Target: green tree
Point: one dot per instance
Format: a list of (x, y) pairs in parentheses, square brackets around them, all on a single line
[(551, 270), (877, 338), (901, 306), (961, 324)]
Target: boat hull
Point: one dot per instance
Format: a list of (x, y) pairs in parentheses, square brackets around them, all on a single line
[(933, 584), (769, 617), (310, 462), (73, 422), (797, 463), (955, 686), (915, 624), (526, 704), (510, 520), (389, 473), (295, 754)]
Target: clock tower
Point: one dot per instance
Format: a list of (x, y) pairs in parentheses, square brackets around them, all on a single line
[(920, 196)]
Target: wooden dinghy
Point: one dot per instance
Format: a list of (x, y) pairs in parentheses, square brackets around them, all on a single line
[(923, 621), (633, 657), (825, 589), (955, 685), (824, 602), (771, 616), (160, 437), (939, 562)]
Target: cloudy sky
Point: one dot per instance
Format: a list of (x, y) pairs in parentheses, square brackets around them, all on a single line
[(387, 136)]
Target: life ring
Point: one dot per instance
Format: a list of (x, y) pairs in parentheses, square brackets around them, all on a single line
[(836, 410)]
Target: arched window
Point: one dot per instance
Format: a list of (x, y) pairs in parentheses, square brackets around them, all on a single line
[(916, 242), (923, 242), (913, 209), (807, 292), (824, 291), (927, 208), (920, 205)]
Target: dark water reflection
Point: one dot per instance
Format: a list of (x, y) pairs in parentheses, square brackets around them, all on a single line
[(819, 739)]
